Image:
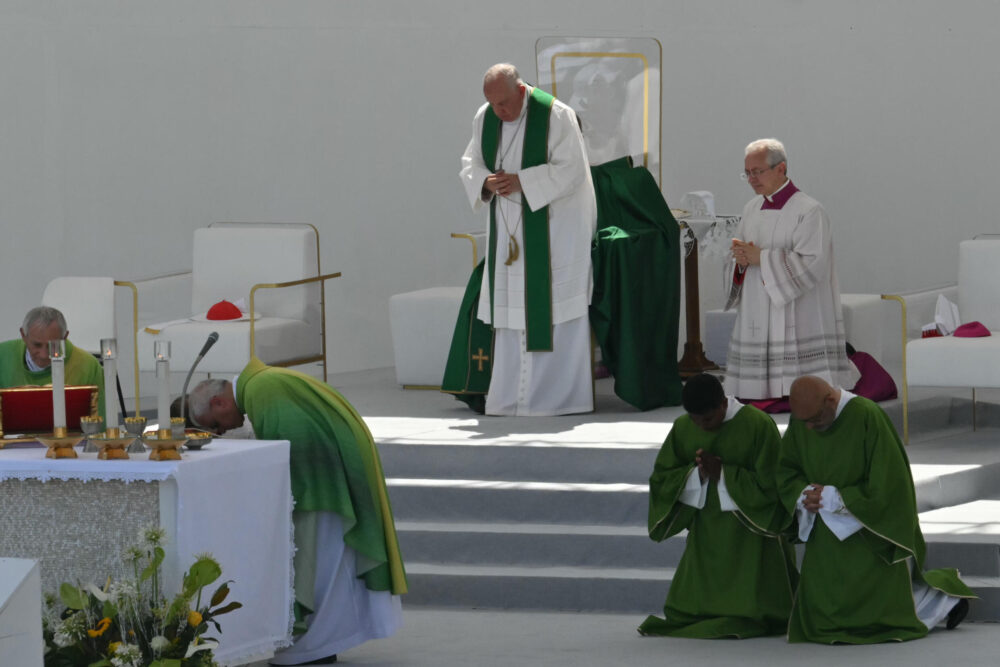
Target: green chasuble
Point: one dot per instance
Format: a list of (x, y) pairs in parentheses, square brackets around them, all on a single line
[(335, 466), (858, 591), (737, 574), (635, 307), (81, 369)]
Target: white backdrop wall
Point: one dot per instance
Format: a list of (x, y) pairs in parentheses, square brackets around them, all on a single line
[(126, 124)]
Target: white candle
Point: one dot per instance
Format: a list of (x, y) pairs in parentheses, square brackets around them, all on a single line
[(109, 352), (57, 359), (161, 351)]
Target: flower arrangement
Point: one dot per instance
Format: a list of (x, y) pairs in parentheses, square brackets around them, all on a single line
[(129, 622)]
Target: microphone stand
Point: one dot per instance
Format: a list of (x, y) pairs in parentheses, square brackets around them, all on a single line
[(212, 337)]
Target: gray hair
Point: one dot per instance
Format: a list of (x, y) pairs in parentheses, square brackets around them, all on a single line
[(202, 395), (775, 150), (44, 316), (502, 72)]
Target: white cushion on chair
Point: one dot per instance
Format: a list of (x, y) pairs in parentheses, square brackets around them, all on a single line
[(275, 336), (964, 362), (946, 361), (422, 324)]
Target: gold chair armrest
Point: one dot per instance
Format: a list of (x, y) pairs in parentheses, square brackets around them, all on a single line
[(475, 245), (321, 279)]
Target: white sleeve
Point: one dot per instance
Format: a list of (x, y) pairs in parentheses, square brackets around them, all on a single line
[(726, 502), (694, 491), (474, 170), (806, 518), (836, 516), (567, 164)]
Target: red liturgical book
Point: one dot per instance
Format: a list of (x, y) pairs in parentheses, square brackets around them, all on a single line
[(29, 409)]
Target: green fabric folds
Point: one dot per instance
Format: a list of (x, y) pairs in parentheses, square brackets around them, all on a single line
[(470, 359), (858, 591), (636, 302), (334, 464), (737, 574)]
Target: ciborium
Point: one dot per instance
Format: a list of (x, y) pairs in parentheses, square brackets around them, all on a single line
[(135, 426), (90, 426)]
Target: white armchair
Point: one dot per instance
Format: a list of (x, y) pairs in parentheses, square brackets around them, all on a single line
[(422, 323), (949, 361), (232, 261)]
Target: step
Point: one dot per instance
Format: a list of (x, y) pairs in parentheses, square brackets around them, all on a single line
[(638, 590), (512, 544), (472, 500), (555, 463)]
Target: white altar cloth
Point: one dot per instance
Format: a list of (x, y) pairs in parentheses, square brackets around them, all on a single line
[(231, 499)]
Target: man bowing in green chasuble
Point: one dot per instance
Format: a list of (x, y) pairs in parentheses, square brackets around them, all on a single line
[(714, 477), (348, 570), (845, 477)]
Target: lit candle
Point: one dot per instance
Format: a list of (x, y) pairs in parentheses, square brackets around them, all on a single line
[(161, 351), (109, 354), (57, 359)]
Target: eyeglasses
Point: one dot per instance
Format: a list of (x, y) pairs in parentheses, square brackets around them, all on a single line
[(755, 173)]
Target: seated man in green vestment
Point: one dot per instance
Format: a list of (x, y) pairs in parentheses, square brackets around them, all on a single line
[(25, 360), (844, 475), (348, 570), (714, 477)]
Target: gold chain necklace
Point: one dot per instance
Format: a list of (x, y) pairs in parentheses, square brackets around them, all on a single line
[(513, 250)]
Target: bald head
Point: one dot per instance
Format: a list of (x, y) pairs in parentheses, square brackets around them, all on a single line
[(504, 90), (814, 401)]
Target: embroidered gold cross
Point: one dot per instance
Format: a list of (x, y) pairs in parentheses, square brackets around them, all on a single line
[(480, 357)]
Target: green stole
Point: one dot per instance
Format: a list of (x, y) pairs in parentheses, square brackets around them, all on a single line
[(537, 263)]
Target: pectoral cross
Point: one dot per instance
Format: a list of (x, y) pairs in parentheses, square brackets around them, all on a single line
[(754, 328), (480, 357)]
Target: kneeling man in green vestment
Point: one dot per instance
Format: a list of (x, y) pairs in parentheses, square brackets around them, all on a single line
[(348, 570), (714, 477), (844, 475)]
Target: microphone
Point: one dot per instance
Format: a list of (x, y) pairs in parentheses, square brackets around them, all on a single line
[(212, 337)]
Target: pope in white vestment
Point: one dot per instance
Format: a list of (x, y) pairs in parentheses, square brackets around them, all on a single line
[(527, 382), (789, 321)]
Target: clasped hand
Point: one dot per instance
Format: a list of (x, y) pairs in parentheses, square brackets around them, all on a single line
[(502, 183), (812, 496), (745, 254), (709, 465)]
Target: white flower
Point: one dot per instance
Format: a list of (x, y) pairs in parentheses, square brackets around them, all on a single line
[(120, 591), (154, 536), (206, 645), (159, 643), (127, 655), (70, 630)]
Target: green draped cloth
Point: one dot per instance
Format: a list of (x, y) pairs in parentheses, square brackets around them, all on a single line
[(737, 575), (470, 358), (82, 368), (635, 308), (858, 591), (334, 464)]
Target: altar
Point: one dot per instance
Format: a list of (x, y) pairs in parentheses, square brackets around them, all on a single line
[(231, 499)]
